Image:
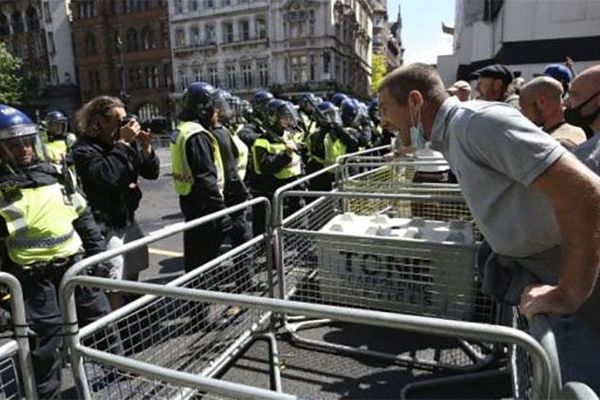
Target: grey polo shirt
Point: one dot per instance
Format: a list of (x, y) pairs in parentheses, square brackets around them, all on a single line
[(496, 153)]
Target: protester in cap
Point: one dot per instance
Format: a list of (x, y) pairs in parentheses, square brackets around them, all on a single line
[(541, 103), (559, 72), (493, 84), (583, 110), (460, 89)]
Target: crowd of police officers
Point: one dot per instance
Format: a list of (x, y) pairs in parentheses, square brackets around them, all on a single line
[(224, 151)]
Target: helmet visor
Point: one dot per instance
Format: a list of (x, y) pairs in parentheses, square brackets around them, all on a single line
[(22, 151), (222, 105)]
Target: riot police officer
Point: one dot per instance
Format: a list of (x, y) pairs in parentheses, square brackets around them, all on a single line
[(276, 158), (45, 228), (58, 140), (315, 146), (199, 174)]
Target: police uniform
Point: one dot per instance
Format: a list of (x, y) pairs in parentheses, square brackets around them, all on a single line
[(199, 177), (44, 229), (275, 167)]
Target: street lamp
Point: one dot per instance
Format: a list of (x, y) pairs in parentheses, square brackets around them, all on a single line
[(119, 44)]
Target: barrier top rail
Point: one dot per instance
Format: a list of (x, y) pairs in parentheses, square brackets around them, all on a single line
[(17, 306), (543, 376), (344, 158)]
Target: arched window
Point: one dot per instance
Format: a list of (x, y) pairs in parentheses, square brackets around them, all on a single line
[(33, 24), (4, 26), (17, 22), (132, 43), (148, 38), (90, 44), (148, 111)]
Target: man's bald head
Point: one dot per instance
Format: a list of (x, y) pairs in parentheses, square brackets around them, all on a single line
[(542, 86), (583, 103)]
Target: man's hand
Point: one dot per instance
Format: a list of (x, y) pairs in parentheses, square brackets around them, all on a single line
[(129, 132), (545, 299), (145, 140)]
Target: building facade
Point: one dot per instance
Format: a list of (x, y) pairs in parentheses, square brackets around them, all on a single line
[(387, 36), (286, 46), (123, 49), (38, 32), (524, 35)]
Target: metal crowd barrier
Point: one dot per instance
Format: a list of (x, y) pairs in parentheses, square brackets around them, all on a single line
[(306, 274), (16, 370), (169, 347), (542, 372)]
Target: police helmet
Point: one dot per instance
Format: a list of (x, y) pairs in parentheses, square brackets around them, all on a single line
[(202, 99), (307, 101), (280, 114), (338, 98), (56, 123), (259, 103), (350, 110), (373, 110), (20, 143), (329, 111)]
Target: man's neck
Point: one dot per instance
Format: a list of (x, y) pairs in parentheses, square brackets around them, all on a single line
[(553, 120)]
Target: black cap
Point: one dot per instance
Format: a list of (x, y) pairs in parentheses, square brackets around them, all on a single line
[(496, 71)]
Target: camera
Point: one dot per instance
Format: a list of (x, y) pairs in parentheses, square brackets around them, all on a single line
[(128, 118)]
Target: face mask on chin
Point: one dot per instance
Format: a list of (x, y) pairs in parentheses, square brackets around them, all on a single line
[(417, 134), (573, 115)]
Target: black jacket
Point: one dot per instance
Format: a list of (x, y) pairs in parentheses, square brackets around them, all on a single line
[(109, 176), (46, 174)]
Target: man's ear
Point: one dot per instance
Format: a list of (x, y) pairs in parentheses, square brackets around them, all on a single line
[(415, 99)]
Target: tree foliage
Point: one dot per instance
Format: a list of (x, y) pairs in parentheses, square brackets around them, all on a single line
[(12, 87), (379, 70)]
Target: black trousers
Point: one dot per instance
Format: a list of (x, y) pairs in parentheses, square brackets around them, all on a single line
[(44, 318)]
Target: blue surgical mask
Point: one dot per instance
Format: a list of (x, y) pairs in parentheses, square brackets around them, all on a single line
[(417, 134)]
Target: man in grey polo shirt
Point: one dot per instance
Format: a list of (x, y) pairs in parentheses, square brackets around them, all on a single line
[(536, 204)]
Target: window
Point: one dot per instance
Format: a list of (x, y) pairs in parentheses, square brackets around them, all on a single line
[(4, 28), (197, 74), (113, 7), (91, 81), (139, 77), (47, 14), (17, 22), (147, 38), (313, 68), (231, 81), (132, 40), (209, 3), (87, 9), (51, 47), (226, 3), (155, 76), (227, 32), (261, 28), (247, 75), (129, 6), (299, 69), (213, 75), (263, 73), (194, 36), (311, 22), (179, 38), (326, 62), (193, 5), (244, 29), (210, 34), (132, 82), (148, 111), (178, 7), (90, 44)]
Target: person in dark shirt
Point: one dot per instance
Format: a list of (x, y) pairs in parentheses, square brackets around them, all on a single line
[(110, 156)]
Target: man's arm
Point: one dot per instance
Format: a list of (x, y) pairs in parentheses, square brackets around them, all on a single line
[(574, 192)]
